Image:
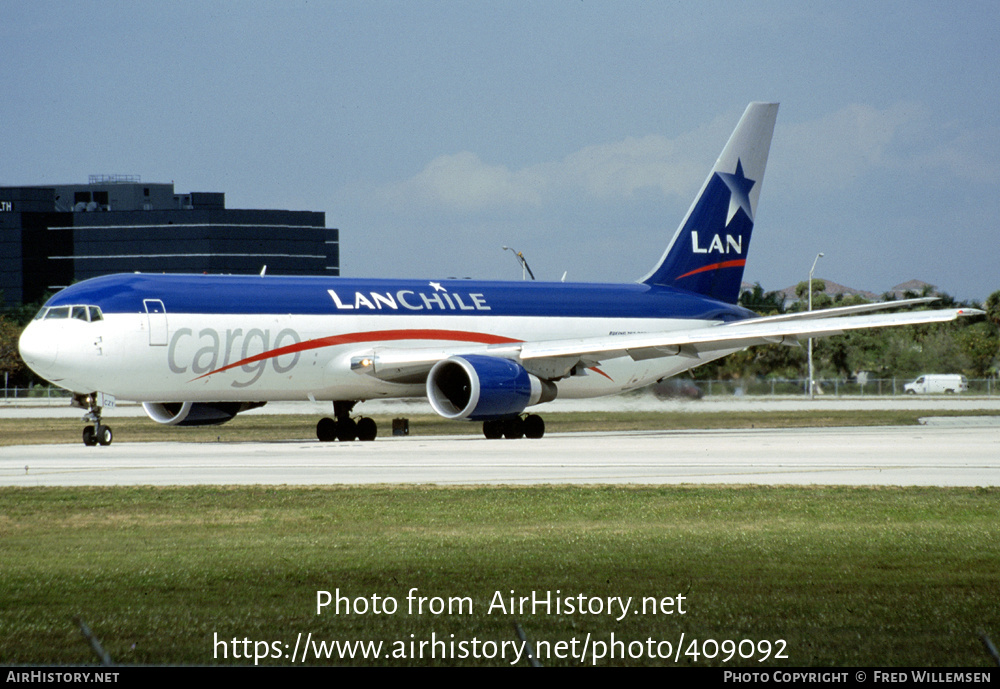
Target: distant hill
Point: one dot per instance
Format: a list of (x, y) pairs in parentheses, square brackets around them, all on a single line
[(914, 287), (833, 289)]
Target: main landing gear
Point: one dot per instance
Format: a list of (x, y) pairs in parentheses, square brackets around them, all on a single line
[(98, 433), (342, 427), (530, 426)]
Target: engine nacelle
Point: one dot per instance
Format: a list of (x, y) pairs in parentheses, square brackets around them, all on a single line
[(481, 388), (196, 413)]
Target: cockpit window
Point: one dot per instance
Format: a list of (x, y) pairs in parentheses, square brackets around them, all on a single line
[(87, 314)]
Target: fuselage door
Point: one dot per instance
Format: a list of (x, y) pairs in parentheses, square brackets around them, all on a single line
[(157, 316)]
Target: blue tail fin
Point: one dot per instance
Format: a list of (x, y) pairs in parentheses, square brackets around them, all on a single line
[(709, 249)]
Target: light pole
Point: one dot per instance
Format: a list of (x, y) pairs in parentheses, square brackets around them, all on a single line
[(811, 270), (520, 259)]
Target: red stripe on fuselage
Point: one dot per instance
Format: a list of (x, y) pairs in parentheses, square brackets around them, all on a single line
[(377, 336), (372, 336)]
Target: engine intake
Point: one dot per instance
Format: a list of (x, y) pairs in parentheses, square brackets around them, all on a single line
[(481, 388), (196, 413)]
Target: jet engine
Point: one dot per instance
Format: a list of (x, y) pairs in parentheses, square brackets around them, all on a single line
[(196, 413), (481, 388)]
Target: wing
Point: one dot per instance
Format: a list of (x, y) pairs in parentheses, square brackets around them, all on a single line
[(556, 359), (846, 310), (693, 342)]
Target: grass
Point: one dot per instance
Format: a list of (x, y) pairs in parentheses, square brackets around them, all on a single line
[(845, 576), (260, 427)]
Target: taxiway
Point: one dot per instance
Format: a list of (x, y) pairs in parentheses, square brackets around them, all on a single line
[(955, 453)]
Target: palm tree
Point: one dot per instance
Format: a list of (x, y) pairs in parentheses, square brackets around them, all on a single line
[(992, 308)]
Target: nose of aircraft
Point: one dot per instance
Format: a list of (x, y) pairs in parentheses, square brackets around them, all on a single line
[(38, 351)]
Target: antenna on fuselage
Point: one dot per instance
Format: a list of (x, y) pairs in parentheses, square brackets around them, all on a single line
[(263, 270)]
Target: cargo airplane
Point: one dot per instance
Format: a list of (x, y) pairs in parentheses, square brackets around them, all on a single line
[(199, 349)]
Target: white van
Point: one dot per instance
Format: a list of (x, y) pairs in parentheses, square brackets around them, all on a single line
[(937, 382)]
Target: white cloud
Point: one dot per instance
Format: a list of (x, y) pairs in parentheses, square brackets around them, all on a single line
[(968, 155), (463, 183), (858, 140), (835, 150), (618, 170)]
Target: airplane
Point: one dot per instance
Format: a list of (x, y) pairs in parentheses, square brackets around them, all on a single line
[(199, 349)]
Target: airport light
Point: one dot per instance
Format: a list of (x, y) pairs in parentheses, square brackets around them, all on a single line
[(524, 263), (811, 271)]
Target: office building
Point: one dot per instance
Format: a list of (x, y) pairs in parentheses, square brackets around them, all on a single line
[(52, 236)]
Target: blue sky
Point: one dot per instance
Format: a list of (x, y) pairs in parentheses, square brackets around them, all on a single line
[(433, 133)]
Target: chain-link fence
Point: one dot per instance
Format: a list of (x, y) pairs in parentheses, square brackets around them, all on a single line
[(35, 394), (827, 387), (832, 387)]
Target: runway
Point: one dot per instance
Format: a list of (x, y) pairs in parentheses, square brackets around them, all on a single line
[(952, 454)]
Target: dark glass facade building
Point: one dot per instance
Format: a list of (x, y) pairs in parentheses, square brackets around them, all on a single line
[(53, 236)]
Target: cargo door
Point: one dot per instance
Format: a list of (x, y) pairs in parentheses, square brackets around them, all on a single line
[(157, 318)]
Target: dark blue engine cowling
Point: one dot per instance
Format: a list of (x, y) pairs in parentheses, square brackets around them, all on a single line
[(481, 388), (195, 413)]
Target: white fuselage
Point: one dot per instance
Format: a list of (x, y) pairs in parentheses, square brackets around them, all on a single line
[(184, 357)]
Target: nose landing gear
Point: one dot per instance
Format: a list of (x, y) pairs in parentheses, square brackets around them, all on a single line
[(98, 433)]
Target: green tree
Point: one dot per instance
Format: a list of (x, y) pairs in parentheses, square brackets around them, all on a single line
[(968, 345), (12, 367), (980, 344), (992, 308), (23, 314), (764, 303), (845, 355), (820, 300), (979, 349)]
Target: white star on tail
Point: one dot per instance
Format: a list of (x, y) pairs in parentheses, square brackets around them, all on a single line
[(739, 188)]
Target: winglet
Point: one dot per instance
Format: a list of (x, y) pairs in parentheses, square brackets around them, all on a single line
[(708, 252)]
